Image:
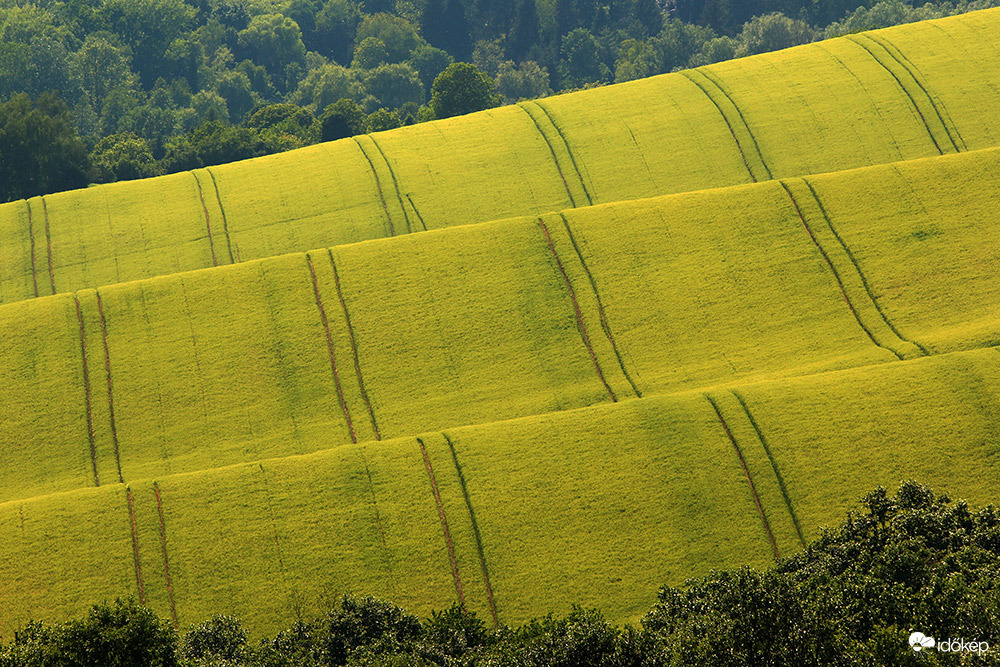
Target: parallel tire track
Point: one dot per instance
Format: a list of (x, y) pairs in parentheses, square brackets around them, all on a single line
[(111, 393), (354, 347), (378, 186), (225, 221), (444, 523), (166, 560), (475, 531), (600, 308), (569, 151), (836, 274), (857, 267), (329, 347), (48, 245), (940, 111), (581, 326), (692, 76), (86, 389), (31, 238), (395, 183), (555, 159), (774, 466), (746, 472), (135, 546), (208, 221)]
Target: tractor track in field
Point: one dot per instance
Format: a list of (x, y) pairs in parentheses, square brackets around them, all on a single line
[(208, 221), (86, 390), (166, 559), (746, 472), (552, 151), (600, 308), (31, 239), (225, 221), (836, 274), (329, 347), (475, 532), (774, 465), (111, 393), (729, 122), (354, 347), (580, 324), (48, 244), (569, 151), (857, 267), (940, 110), (444, 523), (395, 182), (378, 187), (135, 545)]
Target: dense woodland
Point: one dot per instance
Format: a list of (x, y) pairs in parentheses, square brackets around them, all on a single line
[(104, 90), (915, 561)]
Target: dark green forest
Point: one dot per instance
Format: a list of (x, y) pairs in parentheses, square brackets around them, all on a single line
[(915, 561), (122, 89)]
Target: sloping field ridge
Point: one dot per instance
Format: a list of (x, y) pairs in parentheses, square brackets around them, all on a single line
[(624, 496), (488, 322), (906, 92)]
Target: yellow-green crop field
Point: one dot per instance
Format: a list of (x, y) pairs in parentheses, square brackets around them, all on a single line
[(896, 94), (697, 317)]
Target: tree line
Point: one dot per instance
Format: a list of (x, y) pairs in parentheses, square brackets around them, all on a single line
[(913, 562), (146, 87)]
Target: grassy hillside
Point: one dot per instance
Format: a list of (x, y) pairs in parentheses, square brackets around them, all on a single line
[(489, 322), (896, 94), (595, 506)]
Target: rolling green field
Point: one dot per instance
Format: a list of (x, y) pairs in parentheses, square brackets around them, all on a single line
[(489, 322), (698, 315), (608, 498), (901, 93)]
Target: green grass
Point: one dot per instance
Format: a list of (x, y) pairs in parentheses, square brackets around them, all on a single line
[(902, 93)]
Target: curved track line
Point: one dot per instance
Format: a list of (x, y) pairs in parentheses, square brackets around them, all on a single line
[(329, 347), (166, 561), (225, 222), (208, 222), (725, 119), (774, 465), (378, 186), (48, 244), (555, 160), (135, 546), (444, 523), (354, 347), (395, 183), (854, 261), (836, 274), (576, 308), (569, 151), (31, 237), (111, 394), (756, 147), (746, 472), (86, 389), (600, 308), (475, 531)]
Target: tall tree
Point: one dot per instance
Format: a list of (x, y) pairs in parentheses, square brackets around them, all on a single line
[(458, 34), (41, 150), (460, 89), (524, 34), (566, 17)]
